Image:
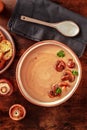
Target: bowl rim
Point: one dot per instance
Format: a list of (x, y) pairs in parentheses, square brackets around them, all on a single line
[(18, 77), (5, 32)]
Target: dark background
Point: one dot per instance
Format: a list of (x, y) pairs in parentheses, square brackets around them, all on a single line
[(71, 115)]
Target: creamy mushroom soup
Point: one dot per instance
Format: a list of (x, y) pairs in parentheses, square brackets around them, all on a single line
[(48, 73)]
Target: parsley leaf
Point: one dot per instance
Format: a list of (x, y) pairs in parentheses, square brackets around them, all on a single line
[(58, 90), (74, 72), (61, 53)]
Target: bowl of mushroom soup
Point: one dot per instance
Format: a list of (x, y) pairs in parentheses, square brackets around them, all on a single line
[(48, 73)]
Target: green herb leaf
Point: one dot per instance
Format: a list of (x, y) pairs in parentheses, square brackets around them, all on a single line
[(74, 72), (58, 90), (61, 53)]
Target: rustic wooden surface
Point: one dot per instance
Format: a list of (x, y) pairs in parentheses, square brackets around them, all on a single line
[(72, 115)]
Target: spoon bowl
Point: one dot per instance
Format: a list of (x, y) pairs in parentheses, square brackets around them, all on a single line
[(67, 28)]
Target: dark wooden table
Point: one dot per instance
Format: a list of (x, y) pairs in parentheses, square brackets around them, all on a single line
[(72, 115)]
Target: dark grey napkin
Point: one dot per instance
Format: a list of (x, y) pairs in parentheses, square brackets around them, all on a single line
[(51, 12)]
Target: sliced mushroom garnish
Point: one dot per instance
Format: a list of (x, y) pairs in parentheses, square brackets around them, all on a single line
[(68, 76), (71, 63), (64, 84), (55, 91), (60, 65)]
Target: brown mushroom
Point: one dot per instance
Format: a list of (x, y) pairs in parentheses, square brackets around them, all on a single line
[(55, 91), (6, 87), (64, 84), (60, 65), (68, 76), (17, 112), (71, 63)]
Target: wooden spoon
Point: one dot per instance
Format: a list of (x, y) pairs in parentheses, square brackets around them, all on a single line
[(66, 28)]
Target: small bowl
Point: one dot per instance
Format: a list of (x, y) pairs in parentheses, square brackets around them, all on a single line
[(9, 38), (17, 112), (26, 76)]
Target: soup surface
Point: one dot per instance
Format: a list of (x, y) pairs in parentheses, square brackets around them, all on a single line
[(48, 73)]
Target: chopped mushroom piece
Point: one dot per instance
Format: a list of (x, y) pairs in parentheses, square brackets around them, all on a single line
[(60, 65), (68, 76), (64, 84), (71, 63), (55, 91)]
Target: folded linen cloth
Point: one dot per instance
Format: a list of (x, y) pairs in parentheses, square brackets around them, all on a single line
[(49, 11)]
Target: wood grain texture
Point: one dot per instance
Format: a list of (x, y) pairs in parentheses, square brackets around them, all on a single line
[(72, 115)]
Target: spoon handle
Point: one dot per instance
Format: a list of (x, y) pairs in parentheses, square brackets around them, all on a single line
[(28, 19)]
